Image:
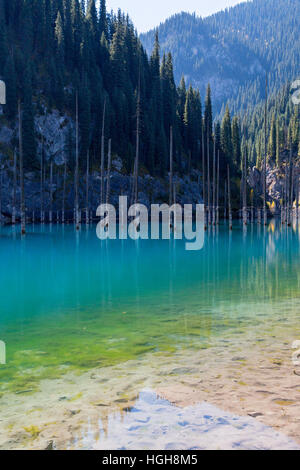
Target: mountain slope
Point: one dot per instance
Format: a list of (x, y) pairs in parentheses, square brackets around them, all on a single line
[(234, 48)]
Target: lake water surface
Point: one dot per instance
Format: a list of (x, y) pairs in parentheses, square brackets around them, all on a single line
[(71, 303)]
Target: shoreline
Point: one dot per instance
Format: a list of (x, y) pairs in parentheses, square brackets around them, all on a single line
[(262, 387)]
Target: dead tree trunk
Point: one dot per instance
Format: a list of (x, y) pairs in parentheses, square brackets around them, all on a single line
[(225, 200), (265, 159), (51, 192), (208, 183), (297, 197), (64, 194), (87, 187), (77, 218), (42, 182), (102, 154), (14, 189), (108, 173), (290, 197), (214, 185), (218, 190), (229, 199), (203, 172), (137, 155), (1, 182), (245, 214), (171, 167), (22, 193)]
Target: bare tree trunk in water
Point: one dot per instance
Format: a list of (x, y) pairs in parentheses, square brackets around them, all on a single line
[(265, 159), (208, 183), (87, 209), (51, 192), (14, 189), (77, 219), (102, 154), (285, 195), (245, 214), (225, 200), (42, 182), (171, 166), (64, 194), (297, 197), (108, 173), (203, 176), (290, 198), (218, 189), (23, 213), (1, 182), (229, 199), (214, 184), (137, 155)]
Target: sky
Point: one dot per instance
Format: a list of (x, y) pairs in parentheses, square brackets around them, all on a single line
[(146, 14)]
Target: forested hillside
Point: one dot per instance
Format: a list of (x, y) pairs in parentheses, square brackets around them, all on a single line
[(283, 131), (50, 50), (232, 50), (57, 53)]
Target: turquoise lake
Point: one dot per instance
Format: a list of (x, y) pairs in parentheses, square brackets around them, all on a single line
[(69, 299), (94, 322)]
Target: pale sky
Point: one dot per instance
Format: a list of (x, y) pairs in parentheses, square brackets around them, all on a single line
[(148, 14)]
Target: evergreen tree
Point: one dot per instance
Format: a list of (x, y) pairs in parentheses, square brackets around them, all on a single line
[(236, 142), (103, 23), (226, 137)]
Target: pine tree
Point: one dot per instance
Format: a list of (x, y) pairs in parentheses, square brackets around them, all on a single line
[(60, 39), (103, 23), (226, 136), (236, 142), (208, 116), (273, 138)]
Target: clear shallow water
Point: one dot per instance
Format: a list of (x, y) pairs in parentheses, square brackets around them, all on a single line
[(154, 424), (72, 302)]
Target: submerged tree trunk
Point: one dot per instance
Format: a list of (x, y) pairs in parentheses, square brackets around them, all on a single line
[(245, 214), (203, 174), (51, 192), (297, 197), (87, 188), (265, 159), (22, 193), (137, 155), (218, 190), (14, 189), (208, 184), (1, 181), (171, 167), (102, 154), (108, 173), (214, 185), (42, 182), (229, 199), (64, 194), (77, 217), (225, 200), (290, 192)]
